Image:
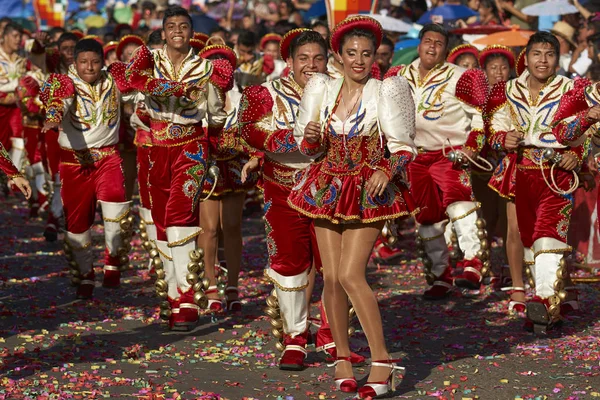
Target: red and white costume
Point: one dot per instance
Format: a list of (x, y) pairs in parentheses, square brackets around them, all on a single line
[(90, 167), (12, 68), (178, 157), (448, 104), (6, 164), (543, 215), (267, 117)]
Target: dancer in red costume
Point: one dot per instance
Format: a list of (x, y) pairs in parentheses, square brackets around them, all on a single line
[(350, 192), (497, 61), (448, 103), (545, 161), (85, 104), (57, 62), (12, 68), (14, 176), (223, 209), (267, 118), (195, 91)]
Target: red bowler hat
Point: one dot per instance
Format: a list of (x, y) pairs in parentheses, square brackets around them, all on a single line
[(521, 67), (78, 33), (108, 47), (200, 36), (269, 37), (497, 49), (286, 40), (126, 40), (197, 44), (220, 50), (96, 38), (355, 22), (460, 50)]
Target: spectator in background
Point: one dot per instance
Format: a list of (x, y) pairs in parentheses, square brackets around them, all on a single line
[(593, 73), (54, 34), (564, 33), (155, 40), (384, 54), (322, 28)]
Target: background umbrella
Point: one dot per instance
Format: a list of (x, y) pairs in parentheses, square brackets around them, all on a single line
[(390, 24), (404, 44), (446, 14), (481, 30), (405, 56), (551, 7), (318, 9), (510, 39)]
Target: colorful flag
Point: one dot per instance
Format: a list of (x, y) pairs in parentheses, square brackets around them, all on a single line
[(50, 13), (337, 10)]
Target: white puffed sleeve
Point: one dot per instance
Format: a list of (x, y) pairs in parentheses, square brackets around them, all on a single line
[(310, 105), (396, 115)]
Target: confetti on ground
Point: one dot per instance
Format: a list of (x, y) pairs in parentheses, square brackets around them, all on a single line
[(467, 347)]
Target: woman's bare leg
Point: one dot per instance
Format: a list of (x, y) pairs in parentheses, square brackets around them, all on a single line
[(514, 250), (208, 239), (231, 218)]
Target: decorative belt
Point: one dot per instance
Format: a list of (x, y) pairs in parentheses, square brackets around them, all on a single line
[(168, 134), (143, 138), (279, 173), (529, 157), (86, 156)]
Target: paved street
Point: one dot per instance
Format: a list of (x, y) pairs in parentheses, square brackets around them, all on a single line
[(52, 346)]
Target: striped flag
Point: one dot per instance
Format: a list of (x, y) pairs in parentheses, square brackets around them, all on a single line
[(50, 13), (337, 10)]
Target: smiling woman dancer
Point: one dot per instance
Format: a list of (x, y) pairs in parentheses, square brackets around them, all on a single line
[(350, 190)]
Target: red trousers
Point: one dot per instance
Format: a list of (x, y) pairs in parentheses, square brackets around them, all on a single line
[(291, 240), (11, 124), (32, 141), (84, 185), (435, 183), (52, 151), (540, 211), (143, 167), (176, 176)]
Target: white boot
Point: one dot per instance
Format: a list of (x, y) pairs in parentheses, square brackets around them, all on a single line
[(463, 215), (182, 241), (146, 217), (291, 295), (165, 255), (78, 249), (116, 256), (437, 256), (17, 152), (40, 178), (548, 253), (56, 208)]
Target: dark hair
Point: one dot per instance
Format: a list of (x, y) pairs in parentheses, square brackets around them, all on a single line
[(109, 37), (593, 24), (247, 38), (386, 41), (457, 61), (491, 4), (283, 27), (437, 28), (66, 37), (594, 72), (358, 32), (543, 37), (319, 23), (5, 19), (307, 37), (55, 30), (89, 45), (492, 57), (154, 38), (11, 26), (176, 11), (218, 29)]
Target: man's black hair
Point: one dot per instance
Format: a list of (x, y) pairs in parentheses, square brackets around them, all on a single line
[(155, 38), (492, 57), (543, 37), (66, 37), (307, 37), (55, 30), (318, 23), (437, 28), (11, 26), (386, 41), (283, 27), (218, 29), (89, 45), (247, 38), (176, 11)]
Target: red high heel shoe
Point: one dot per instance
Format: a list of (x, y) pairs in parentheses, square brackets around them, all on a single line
[(374, 390), (517, 306), (232, 305), (214, 305), (346, 385)]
